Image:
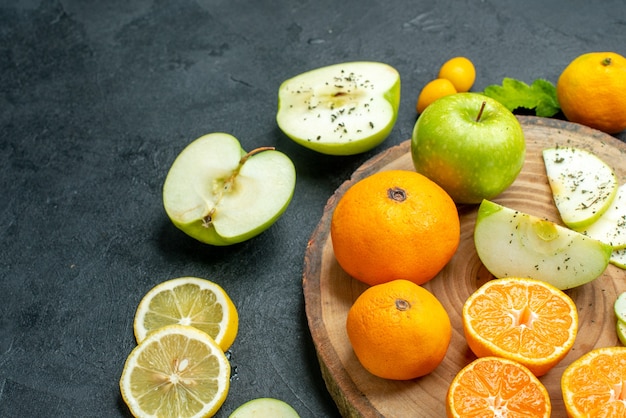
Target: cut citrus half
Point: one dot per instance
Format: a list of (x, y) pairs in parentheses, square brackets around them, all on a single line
[(188, 301), (594, 385), (497, 387), (525, 320), (177, 371)]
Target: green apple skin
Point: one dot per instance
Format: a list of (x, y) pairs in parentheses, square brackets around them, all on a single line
[(472, 160), (260, 191), (341, 109), (264, 408), (514, 244)]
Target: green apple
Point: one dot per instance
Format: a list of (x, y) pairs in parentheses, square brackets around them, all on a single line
[(621, 331), (583, 186), (514, 244), (611, 226), (264, 408), (469, 144), (620, 307), (618, 258), (218, 194), (341, 109)]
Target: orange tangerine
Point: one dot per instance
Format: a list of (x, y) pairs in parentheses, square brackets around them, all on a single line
[(497, 387), (432, 91), (525, 320), (460, 71), (395, 224), (398, 330)]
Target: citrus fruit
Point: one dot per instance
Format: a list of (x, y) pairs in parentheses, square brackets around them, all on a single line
[(525, 320), (497, 387), (398, 330), (177, 371), (592, 91), (594, 385), (264, 408), (188, 301), (432, 91), (394, 224), (460, 71)]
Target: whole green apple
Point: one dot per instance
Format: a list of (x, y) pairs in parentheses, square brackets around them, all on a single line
[(469, 144), (218, 194), (341, 109)]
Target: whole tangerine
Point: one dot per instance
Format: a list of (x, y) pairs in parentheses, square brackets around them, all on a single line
[(398, 330), (592, 91), (395, 224)]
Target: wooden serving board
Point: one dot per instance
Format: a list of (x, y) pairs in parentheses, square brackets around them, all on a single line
[(329, 291)]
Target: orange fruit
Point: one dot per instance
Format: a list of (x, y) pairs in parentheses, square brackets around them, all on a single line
[(392, 225), (592, 91), (398, 330), (497, 387), (432, 91), (594, 385), (460, 71), (525, 320)]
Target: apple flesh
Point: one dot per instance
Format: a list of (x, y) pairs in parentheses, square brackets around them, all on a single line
[(218, 194), (473, 151), (341, 109), (264, 408), (618, 258), (514, 244), (583, 186), (611, 226)]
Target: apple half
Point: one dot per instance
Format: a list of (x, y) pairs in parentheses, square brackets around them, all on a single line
[(218, 194), (514, 244), (583, 186), (341, 109)]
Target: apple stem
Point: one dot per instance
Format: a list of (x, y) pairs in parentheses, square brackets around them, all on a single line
[(480, 112), (254, 151)]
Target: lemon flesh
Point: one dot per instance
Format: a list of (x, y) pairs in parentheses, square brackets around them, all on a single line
[(177, 371), (188, 301)]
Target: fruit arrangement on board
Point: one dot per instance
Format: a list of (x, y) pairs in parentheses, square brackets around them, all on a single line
[(395, 230)]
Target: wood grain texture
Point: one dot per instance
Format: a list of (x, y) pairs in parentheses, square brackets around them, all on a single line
[(329, 291)]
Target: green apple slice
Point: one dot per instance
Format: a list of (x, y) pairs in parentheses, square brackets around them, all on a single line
[(611, 226), (514, 244), (341, 109), (618, 258), (621, 332), (620, 307), (219, 195), (583, 186), (264, 408)]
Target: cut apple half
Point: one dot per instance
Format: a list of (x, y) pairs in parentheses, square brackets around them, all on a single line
[(514, 244), (218, 194), (583, 186), (611, 226), (341, 109)]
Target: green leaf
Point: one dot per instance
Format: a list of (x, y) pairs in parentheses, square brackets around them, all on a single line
[(515, 94)]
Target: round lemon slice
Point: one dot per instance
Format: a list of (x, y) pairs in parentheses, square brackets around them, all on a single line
[(189, 301), (177, 371)]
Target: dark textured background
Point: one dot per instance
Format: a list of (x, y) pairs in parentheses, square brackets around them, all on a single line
[(97, 99)]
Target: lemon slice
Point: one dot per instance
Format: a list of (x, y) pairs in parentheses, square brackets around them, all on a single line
[(177, 371), (190, 301)]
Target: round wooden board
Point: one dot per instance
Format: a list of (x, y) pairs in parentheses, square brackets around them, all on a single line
[(329, 291)]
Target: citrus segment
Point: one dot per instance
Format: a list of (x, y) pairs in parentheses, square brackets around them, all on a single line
[(177, 371), (497, 387), (398, 330), (432, 91), (525, 320), (594, 385), (188, 301), (392, 225), (461, 73), (592, 91)]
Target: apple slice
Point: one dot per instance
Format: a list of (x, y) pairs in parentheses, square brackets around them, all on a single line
[(583, 186), (618, 258), (264, 408), (514, 244), (342, 109), (611, 226), (219, 195)]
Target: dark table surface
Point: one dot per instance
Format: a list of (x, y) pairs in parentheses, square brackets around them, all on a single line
[(97, 99)]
